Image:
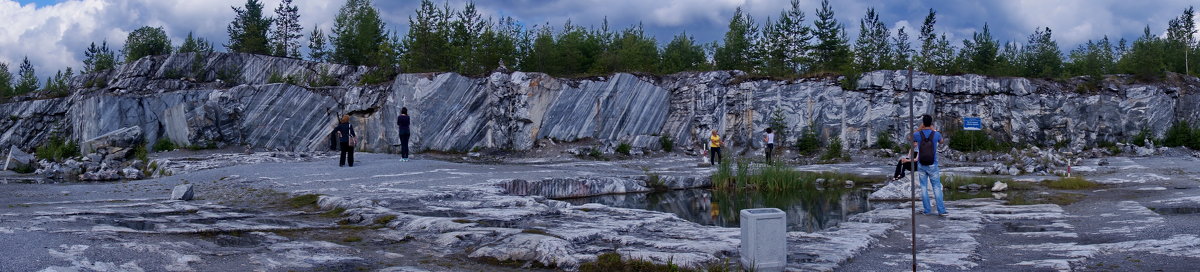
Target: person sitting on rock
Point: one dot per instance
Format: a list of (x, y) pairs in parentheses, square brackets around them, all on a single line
[(346, 140), (905, 164)]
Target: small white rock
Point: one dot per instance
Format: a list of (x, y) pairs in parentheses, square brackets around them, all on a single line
[(999, 187), (182, 192)]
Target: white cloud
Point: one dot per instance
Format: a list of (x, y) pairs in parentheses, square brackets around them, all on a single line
[(55, 36)]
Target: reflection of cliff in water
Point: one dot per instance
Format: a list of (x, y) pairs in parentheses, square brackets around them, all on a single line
[(808, 210)]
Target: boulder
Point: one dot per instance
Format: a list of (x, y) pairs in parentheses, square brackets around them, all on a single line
[(1103, 162), (17, 159), (102, 175), (1013, 171), (970, 187), (999, 187), (127, 137), (182, 192), (131, 173), (894, 191)]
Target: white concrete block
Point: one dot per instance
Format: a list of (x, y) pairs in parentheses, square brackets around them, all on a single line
[(764, 239)]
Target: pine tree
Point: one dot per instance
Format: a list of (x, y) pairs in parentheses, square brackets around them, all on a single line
[(926, 60), (248, 31), (1041, 56), (980, 52), (903, 51), (98, 58), (146, 41), (1093, 59), (427, 43), (358, 32), (872, 50), (682, 54), (318, 50), (541, 50), (26, 78), (735, 51), (498, 45), (832, 51), (286, 31), (772, 49), (635, 51), (465, 40), (794, 37), (60, 84), (1145, 57), (6, 81), (193, 44)]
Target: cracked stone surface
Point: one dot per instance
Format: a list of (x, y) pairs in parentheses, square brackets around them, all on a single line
[(430, 215)]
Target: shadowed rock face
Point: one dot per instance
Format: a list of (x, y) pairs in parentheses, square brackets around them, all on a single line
[(227, 99)]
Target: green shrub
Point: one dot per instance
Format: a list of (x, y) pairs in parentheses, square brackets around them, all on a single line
[(776, 178), (883, 140), (173, 74), (57, 149), (834, 151), (164, 144), (974, 140), (304, 200), (1071, 183), (231, 75), (667, 144), (377, 76), (1142, 137), (808, 143), (139, 152), (1110, 146), (289, 79), (624, 148), (1182, 134), (322, 79), (595, 153)]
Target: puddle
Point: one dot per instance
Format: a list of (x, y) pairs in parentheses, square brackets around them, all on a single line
[(807, 211), (140, 225), (1031, 226), (1176, 210)]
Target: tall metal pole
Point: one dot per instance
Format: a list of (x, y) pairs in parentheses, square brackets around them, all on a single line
[(913, 178)]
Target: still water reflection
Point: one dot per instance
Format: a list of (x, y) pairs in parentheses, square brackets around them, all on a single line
[(807, 210)]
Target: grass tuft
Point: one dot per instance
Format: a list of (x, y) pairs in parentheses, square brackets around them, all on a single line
[(1071, 183), (304, 200)]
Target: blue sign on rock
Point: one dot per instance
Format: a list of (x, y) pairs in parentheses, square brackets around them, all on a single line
[(972, 123)]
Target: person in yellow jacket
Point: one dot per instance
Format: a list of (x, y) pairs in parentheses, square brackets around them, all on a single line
[(714, 145)]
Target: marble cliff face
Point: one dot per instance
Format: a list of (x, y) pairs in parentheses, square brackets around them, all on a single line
[(227, 99)]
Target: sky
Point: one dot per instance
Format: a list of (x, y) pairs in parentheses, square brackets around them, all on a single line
[(54, 33)]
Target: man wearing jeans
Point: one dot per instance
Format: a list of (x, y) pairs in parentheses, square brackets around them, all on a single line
[(925, 142)]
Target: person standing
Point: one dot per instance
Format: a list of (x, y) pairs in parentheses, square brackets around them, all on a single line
[(346, 141), (925, 141), (402, 122), (769, 139), (714, 148)]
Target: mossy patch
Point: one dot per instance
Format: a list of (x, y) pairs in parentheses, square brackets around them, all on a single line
[(303, 200)]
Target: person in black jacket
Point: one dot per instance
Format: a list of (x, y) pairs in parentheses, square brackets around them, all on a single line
[(402, 122), (346, 140)]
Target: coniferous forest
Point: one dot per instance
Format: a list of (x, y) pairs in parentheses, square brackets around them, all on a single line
[(793, 43)]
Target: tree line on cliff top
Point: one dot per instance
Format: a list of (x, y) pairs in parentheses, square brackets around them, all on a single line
[(441, 38)]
